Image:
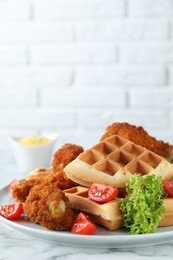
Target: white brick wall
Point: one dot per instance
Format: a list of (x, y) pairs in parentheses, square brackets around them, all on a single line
[(14, 11), (121, 75), (83, 98), (150, 8), (78, 9), (32, 77), (36, 32), (76, 66), (122, 30), (147, 52), (13, 55), (154, 98), (73, 53)]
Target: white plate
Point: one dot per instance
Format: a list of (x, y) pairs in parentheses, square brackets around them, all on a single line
[(101, 239)]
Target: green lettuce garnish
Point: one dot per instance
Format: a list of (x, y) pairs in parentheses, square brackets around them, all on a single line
[(142, 208)]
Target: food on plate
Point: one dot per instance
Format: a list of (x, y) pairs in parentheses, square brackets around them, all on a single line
[(82, 225), (12, 184), (34, 140), (106, 214), (143, 206), (168, 188), (22, 190), (102, 193), (65, 155), (48, 206), (140, 211), (11, 211), (113, 161), (125, 180), (167, 217), (139, 136)]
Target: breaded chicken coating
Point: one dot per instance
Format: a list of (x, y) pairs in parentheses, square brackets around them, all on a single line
[(22, 189), (140, 137), (59, 179), (62, 157), (48, 206), (65, 155)]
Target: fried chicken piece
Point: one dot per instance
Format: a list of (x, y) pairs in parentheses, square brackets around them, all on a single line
[(22, 189), (140, 137), (48, 206), (65, 155), (62, 157), (59, 179)]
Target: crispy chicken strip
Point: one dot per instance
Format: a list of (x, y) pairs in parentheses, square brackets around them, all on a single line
[(48, 206), (139, 136), (65, 155), (59, 179), (22, 189), (56, 174)]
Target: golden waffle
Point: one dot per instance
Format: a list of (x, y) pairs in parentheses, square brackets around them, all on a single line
[(113, 161), (107, 214)]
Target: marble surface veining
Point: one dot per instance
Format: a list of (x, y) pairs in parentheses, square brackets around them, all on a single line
[(15, 245)]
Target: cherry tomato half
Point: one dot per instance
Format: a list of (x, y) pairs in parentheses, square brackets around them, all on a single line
[(102, 193), (12, 184), (82, 225), (168, 188), (11, 211)]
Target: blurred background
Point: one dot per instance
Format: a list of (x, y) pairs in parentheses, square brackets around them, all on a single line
[(76, 66)]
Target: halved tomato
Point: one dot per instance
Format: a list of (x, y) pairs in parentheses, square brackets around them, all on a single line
[(168, 188), (11, 211), (12, 184), (82, 225), (102, 193)]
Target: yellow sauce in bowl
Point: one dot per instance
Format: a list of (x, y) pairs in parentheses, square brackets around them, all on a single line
[(34, 140)]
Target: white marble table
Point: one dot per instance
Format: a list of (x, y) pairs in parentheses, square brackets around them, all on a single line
[(15, 245)]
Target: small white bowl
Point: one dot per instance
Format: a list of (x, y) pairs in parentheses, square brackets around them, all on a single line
[(31, 157)]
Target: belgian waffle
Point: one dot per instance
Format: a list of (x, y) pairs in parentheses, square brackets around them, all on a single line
[(108, 214), (113, 161)]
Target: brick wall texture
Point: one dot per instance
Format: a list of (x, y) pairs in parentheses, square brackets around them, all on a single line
[(76, 66)]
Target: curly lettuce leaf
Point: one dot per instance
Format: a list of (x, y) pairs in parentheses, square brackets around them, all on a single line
[(143, 207)]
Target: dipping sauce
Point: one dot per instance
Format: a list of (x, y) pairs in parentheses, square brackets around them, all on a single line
[(34, 140)]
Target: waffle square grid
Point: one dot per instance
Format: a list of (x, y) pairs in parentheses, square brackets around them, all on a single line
[(114, 160), (116, 152)]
